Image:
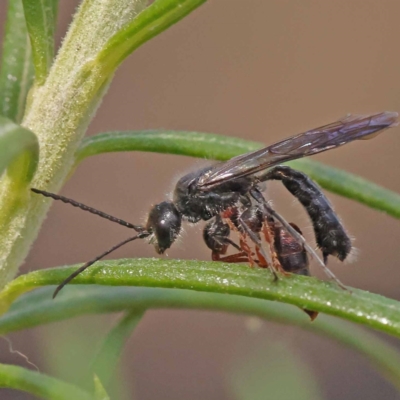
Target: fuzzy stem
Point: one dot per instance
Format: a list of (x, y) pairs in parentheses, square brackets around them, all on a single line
[(59, 115)]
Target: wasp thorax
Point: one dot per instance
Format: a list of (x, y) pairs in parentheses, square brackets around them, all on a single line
[(164, 222)]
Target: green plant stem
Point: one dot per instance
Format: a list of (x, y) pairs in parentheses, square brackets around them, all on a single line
[(37, 308), (38, 384), (61, 109), (354, 305), (59, 114), (16, 73), (218, 147)]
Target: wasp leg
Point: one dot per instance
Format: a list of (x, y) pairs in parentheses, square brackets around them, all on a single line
[(291, 254), (264, 256), (216, 236), (257, 195), (232, 258)]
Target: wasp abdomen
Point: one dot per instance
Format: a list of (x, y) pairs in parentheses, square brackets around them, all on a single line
[(330, 234), (291, 254)]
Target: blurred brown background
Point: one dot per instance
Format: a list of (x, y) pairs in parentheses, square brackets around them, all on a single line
[(260, 70)]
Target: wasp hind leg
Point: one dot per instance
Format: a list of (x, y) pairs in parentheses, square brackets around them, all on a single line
[(257, 195), (291, 254)]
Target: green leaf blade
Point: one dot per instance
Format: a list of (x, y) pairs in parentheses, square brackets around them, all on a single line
[(218, 147), (43, 386), (355, 305), (351, 186), (17, 72), (105, 363), (194, 144), (99, 390), (40, 18), (156, 18), (14, 141), (37, 308), (19, 158)]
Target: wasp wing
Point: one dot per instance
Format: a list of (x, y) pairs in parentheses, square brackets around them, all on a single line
[(352, 127)]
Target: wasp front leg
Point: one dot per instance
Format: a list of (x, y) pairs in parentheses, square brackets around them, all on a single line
[(216, 236)]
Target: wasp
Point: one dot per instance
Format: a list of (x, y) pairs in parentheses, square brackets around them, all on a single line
[(233, 191)]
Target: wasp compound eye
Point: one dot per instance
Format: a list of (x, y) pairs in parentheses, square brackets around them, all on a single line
[(164, 222)]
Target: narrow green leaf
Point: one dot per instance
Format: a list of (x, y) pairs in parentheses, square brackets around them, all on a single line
[(37, 308), (351, 186), (218, 147), (16, 73), (194, 144), (14, 142), (41, 18), (354, 305), (105, 363), (19, 151), (155, 19), (38, 384), (99, 391)]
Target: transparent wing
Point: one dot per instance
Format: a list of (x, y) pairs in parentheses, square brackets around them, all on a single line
[(352, 127)]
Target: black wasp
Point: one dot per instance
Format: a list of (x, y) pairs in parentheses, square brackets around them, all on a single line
[(229, 196)]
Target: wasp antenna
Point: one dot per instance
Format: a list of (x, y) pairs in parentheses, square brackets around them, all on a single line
[(141, 235), (137, 228)]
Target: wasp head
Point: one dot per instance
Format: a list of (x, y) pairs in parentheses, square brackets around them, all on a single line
[(164, 222)]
